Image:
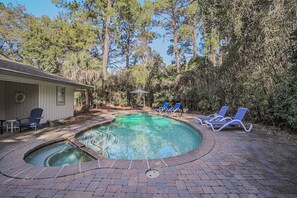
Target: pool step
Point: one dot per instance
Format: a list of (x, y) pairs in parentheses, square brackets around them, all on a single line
[(99, 141), (83, 147)]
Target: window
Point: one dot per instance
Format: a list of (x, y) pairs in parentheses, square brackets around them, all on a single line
[(60, 96)]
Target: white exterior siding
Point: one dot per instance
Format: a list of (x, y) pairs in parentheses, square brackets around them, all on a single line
[(44, 94), (47, 101), (14, 110)]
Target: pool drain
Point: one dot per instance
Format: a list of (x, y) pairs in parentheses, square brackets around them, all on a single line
[(152, 173)]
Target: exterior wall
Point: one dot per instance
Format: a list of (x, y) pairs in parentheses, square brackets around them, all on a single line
[(2, 101), (14, 110), (46, 97), (47, 101)]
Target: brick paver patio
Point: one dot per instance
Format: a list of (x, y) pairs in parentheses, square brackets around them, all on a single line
[(233, 164)]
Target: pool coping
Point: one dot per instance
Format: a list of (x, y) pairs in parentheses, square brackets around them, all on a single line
[(12, 162)]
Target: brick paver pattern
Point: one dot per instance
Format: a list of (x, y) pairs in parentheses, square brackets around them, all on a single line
[(239, 165)]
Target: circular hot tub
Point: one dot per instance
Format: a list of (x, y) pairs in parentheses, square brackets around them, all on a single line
[(57, 154)]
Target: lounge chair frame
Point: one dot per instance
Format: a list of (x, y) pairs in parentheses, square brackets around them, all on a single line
[(213, 117), (229, 121), (174, 109), (237, 123), (33, 120), (163, 108)]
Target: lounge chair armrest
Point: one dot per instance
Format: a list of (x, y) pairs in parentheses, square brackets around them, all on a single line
[(39, 118), (212, 115), (218, 117), (20, 120), (227, 119)]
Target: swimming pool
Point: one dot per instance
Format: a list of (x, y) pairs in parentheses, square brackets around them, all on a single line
[(141, 136)]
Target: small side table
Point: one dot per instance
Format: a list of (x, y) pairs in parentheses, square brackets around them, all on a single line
[(12, 125)]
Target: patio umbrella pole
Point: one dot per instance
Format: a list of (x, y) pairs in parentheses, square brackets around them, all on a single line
[(144, 100)]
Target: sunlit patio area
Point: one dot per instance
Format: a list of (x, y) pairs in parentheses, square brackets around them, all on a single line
[(227, 164)]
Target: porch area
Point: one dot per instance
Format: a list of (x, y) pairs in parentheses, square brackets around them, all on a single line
[(16, 102)]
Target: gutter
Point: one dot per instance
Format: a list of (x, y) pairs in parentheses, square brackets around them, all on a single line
[(48, 79)]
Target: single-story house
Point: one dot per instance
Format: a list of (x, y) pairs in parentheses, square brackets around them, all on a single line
[(23, 88)]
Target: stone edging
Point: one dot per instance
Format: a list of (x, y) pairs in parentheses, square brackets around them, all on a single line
[(13, 165)]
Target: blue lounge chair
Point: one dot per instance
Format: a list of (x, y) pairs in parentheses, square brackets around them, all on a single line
[(33, 120), (212, 117), (165, 106), (236, 121), (175, 108)]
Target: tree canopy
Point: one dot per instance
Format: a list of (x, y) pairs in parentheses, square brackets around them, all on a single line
[(245, 54)]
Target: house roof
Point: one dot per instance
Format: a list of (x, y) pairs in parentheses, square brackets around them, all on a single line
[(15, 68)]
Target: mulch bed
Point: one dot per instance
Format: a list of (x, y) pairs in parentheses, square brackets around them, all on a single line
[(78, 118)]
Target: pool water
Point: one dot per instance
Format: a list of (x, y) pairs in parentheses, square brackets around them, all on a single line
[(141, 136), (57, 154)]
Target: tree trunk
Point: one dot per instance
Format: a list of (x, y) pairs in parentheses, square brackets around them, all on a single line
[(175, 45), (129, 97), (106, 47), (213, 55), (127, 59), (87, 100), (105, 53), (128, 47), (194, 37), (185, 63)]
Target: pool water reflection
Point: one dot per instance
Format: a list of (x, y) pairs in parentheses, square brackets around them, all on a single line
[(141, 136)]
